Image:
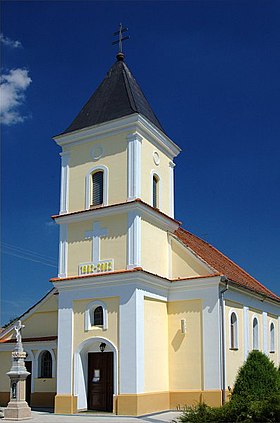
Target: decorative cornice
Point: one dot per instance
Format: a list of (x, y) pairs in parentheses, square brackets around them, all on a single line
[(146, 211), (132, 123)]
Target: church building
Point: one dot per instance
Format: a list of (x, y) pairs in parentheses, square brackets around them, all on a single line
[(143, 315)]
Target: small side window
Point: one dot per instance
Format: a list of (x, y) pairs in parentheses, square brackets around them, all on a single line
[(155, 191), (45, 364), (272, 338), (255, 334), (233, 332), (96, 316)]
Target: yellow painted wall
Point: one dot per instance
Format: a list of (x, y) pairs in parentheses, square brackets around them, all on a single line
[(114, 246), (111, 247), (185, 350), (154, 249), (44, 385), (184, 263), (5, 366), (163, 172), (156, 346), (35, 325), (81, 161), (112, 333), (234, 358)]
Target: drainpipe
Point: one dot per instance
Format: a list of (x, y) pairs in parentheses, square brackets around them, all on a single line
[(223, 341)]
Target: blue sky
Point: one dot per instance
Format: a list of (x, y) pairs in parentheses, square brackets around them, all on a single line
[(210, 70)]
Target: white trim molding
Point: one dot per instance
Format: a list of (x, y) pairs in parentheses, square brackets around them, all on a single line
[(88, 185), (264, 327), (246, 331), (63, 251), (134, 143), (65, 346), (171, 189), (133, 240), (132, 123), (64, 182), (90, 309)]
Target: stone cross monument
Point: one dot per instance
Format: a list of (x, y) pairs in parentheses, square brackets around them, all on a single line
[(18, 408)]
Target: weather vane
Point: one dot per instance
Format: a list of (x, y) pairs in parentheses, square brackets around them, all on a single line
[(120, 32)]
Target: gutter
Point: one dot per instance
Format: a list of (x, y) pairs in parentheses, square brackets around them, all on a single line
[(224, 279)]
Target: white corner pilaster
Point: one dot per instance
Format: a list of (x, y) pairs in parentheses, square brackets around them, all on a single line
[(211, 339), (277, 339), (246, 331), (264, 324), (64, 187), (63, 250), (133, 240), (132, 343), (134, 142), (65, 346), (171, 182)]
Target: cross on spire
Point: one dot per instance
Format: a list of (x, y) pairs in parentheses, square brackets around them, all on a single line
[(120, 55)]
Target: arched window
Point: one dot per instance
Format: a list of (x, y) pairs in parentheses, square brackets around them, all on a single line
[(97, 188), (96, 316), (272, 338), (45, 364), (255, 334), (233, 332), (155, 191)]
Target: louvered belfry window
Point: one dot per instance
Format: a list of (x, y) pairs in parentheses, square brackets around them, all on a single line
[(155, 191), (97, 188)]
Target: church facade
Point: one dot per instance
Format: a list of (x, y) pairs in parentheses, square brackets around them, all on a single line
[(143, 315)]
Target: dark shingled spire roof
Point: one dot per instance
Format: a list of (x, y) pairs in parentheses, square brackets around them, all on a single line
[(117, 96)]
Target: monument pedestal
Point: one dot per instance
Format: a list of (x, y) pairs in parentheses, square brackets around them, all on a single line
[(18, 409)]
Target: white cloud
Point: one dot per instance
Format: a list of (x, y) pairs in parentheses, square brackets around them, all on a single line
[(8, 42), (12, 88)]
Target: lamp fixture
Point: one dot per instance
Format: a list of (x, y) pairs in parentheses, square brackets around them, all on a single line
[(102, 346), (183, 326)]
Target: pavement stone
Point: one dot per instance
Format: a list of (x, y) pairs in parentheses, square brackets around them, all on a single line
[(46, 417)]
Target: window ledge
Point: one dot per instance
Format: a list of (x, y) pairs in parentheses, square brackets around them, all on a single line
[(233, 349), (98, 206), (272, 352)]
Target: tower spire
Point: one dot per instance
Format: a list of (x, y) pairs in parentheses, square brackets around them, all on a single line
[(121, 30)]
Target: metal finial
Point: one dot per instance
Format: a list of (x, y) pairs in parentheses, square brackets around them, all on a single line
[(120, 55)]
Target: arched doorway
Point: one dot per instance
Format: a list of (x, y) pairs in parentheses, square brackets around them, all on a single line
[(95, 375)]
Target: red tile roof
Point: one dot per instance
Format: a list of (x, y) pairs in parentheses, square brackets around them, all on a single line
[(223, 264)]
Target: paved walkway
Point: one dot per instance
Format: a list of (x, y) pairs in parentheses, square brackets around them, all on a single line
[(45, 417)]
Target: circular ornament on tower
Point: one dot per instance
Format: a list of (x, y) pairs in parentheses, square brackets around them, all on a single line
[(156, 158), (97, 152)]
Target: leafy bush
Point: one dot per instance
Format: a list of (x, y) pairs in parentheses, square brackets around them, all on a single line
[(255, 397)]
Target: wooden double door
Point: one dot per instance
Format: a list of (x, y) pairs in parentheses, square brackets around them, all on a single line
[(100, 381)]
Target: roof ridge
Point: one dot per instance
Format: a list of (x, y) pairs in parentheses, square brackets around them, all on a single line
[(128, 88)]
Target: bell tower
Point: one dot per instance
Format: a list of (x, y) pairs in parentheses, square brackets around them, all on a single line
[(116, 181)]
